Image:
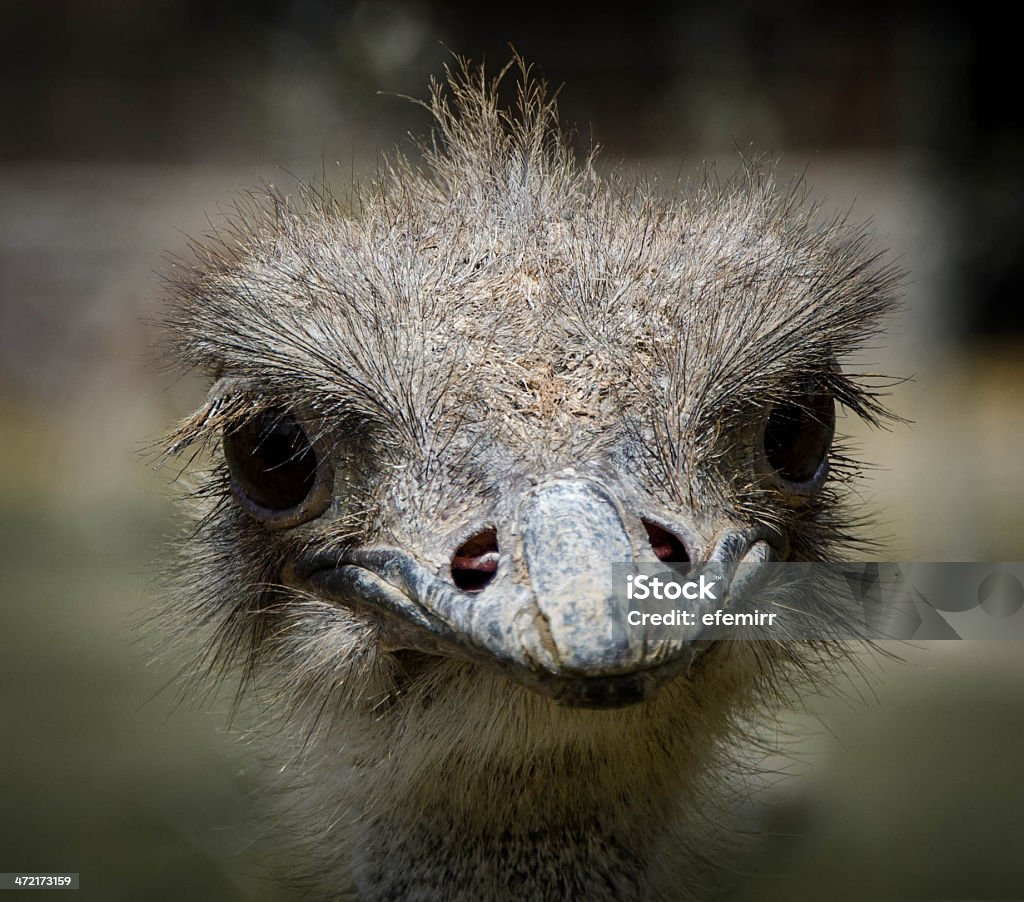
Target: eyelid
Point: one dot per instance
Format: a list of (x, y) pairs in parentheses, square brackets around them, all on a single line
[(232, 390), (215, 415)]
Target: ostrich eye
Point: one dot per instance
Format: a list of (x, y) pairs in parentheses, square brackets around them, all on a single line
[(275, 473), (798, 435)]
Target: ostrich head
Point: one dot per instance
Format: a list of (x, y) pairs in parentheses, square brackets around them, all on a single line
[(441, 409)]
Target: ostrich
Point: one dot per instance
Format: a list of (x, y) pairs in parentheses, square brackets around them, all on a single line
[(441, 407)]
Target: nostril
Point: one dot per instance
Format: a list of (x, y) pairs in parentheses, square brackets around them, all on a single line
[(668, 547), (476, 561)]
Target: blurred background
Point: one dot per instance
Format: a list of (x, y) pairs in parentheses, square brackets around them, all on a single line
[(126, 125)]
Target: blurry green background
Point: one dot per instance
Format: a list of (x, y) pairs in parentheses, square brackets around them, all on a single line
[(126, 124)]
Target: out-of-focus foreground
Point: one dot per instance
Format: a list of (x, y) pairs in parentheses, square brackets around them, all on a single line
[(128, 126)]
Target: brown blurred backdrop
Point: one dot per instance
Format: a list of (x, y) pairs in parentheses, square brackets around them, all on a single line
[(126, 124)]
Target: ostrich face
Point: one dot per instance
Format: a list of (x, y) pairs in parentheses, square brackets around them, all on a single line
[(442, 411)]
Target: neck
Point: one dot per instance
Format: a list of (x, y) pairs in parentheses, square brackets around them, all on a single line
[(515, 797), (519, 854)]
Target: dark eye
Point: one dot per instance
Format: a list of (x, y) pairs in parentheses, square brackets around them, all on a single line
[(275, 472), (798, 435)]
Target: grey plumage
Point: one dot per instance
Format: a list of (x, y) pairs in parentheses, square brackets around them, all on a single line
[(451, 339)]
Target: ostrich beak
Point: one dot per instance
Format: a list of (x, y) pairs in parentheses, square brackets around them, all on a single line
[(552, 617)]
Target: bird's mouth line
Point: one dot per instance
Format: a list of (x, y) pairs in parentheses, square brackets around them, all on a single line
[(407, 625), (417, 610)]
